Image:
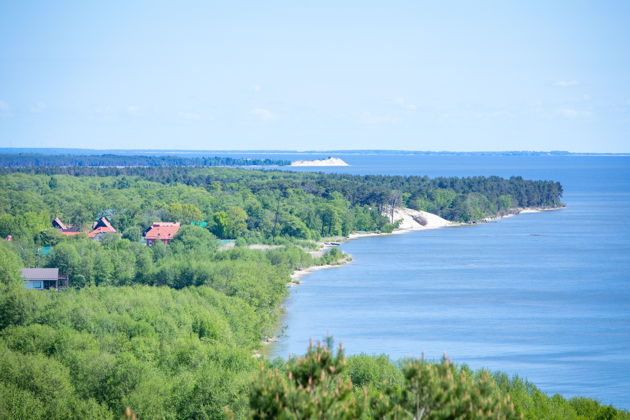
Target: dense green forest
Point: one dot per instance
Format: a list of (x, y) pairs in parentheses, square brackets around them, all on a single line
[(106, 160), (288, 194), (172, 331)]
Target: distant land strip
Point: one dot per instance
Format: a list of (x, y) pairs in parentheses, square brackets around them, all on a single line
[(26, 160)]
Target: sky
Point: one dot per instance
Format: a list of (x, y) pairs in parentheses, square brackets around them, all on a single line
[(324, 75)]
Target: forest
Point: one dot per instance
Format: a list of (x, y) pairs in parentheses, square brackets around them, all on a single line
[(457, 199), (174, 331), (111, 160)]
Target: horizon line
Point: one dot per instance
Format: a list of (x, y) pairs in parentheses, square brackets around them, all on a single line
[(6, 150)]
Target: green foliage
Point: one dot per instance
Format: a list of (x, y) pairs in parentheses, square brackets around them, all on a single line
[(444, 391), (377, 372), (34, 387), (18, 305), (48, 237), (229, 224), (333, 256), (535, 404), (317, 386), (191, 238), (309, 387), (36, 159), (157, 350), (184, 213), (10, 265), (322, 384)]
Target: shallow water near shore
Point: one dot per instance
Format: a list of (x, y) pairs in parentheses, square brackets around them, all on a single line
[(545, 296)]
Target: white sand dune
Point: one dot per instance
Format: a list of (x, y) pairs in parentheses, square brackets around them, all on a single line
[(410, 220), (417, 220), (331, 161)]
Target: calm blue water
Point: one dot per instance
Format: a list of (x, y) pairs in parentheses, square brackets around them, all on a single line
[(545, 296)]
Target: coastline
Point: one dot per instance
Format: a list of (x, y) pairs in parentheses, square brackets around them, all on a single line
[(433, 222), (519, 210), (297, 274)]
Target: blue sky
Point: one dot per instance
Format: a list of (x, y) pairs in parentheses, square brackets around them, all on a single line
[(442, 75)]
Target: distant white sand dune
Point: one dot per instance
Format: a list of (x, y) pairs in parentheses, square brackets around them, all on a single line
[(331, 161)]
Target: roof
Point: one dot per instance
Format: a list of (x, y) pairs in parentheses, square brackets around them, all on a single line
[(58, 223), (162, 230), (31, 274), (104, 223), (101, 230), (70, 231)]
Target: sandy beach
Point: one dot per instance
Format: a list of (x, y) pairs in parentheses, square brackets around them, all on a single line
[(517, 211), (411, 221)]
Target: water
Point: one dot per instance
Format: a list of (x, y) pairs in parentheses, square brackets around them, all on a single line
[(545, 296)]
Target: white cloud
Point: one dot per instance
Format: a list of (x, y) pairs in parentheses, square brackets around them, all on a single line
[(38, 107), (189, 115), (264, 114), (257, 88), (573, 113), (566, 83), (405, 104), (4, 106)]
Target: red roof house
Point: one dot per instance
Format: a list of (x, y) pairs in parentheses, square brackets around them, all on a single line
[(101, 227), (161, 231)]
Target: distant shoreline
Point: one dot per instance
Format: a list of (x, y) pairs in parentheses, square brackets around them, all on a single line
[(158, 152)]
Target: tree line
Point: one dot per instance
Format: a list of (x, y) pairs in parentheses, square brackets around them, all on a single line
[(276, 203), (18, 160)]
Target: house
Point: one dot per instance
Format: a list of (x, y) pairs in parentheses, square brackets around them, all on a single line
[(100, 228), (43, 278), (63, 228), (161, 231)]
